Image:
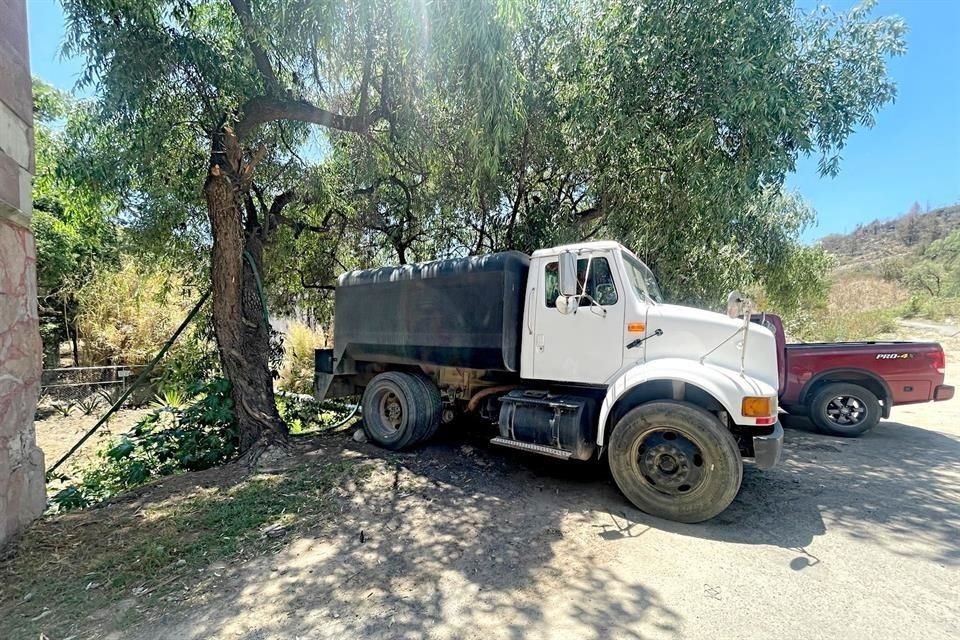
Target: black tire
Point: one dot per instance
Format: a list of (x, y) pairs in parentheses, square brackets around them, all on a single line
[(430, 405), (844, 409), (659, 436), (392, 410)]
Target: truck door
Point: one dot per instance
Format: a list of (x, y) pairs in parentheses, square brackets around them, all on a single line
[(585, 346)]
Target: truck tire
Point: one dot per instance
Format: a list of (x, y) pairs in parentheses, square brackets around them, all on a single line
[(675, 461), (431, 406), (844, 409), (393, 410)]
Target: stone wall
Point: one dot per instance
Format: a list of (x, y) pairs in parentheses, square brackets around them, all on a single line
[(22, 492)]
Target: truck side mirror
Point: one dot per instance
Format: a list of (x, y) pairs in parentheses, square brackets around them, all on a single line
[(568, 274), (567, 304)]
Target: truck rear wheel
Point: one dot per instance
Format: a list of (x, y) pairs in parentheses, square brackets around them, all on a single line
[(431, 406), (395, 413), (844, 409), (675, 461)]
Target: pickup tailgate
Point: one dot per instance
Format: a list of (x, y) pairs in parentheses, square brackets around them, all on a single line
[(909, 371)]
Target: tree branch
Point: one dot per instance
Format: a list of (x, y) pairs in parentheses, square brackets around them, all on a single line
[(367, 65), (263, 109), (242, 9)]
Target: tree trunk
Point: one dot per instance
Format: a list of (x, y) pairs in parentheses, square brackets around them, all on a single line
[(243, 337)]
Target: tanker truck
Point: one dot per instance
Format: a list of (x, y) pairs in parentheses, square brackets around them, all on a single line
[(570, 352)]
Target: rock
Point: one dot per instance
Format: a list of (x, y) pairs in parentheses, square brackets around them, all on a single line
[(276, 531), (359, 436)]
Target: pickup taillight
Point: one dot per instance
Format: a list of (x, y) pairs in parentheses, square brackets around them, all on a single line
[(940, 361)]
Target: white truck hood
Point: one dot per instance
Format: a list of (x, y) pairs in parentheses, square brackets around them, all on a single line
[(693, 333)]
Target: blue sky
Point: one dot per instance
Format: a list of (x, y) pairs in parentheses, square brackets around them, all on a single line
[(911, 155)]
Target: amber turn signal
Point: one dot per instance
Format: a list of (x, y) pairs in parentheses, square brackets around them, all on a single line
[(757, 406), (636, 327)]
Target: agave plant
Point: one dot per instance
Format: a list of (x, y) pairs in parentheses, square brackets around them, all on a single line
[(111, 395), (63, 408), (171, 399), (88, 405)]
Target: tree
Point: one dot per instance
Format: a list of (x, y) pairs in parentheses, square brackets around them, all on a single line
[(73, 224), (666, 125), (246, 80)]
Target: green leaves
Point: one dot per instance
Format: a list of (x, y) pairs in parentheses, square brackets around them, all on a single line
[(193, 437), (665, 124), (120, 450)]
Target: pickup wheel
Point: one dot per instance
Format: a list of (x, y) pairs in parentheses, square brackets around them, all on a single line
[(844, 409), (675, 461), (393, 410)]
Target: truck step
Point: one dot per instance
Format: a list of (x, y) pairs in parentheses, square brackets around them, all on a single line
[(532, 448)]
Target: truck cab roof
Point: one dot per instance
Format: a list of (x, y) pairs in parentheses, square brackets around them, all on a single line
[(596, 245)]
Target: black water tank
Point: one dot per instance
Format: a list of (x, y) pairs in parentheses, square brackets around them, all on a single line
[(464, 312)]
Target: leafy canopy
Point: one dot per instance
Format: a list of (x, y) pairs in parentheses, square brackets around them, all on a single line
[(448, 128)]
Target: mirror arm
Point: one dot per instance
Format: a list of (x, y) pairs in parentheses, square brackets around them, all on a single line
[(584, 294)]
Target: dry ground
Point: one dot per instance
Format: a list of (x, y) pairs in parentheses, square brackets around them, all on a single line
[(57, 433), (848, 538)]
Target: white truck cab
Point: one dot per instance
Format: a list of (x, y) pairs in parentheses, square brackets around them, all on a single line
[(619, 333), (574, 354)]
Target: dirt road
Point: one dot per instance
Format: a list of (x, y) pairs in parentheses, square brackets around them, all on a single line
[(848, 538)]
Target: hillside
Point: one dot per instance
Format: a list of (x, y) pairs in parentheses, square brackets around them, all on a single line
[(887, 271), (869, 245)]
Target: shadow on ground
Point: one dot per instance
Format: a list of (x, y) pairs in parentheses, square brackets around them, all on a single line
[(432, 544), (440, 542), (897, 486)]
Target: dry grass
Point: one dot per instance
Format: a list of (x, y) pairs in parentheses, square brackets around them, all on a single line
[(860, 292), (299, 344), (862, 306), (858, 307), (89, 571), (126, 314)]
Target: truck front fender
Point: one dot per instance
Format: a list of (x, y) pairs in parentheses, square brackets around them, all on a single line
[(723, 385)]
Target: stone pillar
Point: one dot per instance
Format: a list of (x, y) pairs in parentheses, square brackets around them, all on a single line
[(22, 491)]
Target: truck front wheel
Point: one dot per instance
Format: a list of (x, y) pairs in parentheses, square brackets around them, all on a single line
[(394, 412), (675, 461)]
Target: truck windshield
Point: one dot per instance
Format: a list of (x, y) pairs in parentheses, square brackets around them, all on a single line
[(641, 279)]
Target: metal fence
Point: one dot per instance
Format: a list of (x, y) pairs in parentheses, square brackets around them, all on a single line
[(73, 383)]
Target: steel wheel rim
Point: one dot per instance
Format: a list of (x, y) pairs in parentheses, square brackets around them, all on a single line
[(670, 462), (846, 411), (390, 411)]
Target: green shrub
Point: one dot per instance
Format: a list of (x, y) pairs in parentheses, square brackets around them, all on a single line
[(171, 400), (189, 437), (193, 357), (304, 415)]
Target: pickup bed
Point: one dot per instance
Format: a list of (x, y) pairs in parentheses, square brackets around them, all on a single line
[(846, 387)]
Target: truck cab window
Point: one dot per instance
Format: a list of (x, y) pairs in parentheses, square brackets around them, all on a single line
[(600, 287)]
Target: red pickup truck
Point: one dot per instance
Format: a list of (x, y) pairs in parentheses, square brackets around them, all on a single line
[(846, 387)]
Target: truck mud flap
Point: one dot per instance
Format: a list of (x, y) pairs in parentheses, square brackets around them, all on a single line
[(322, 372)]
